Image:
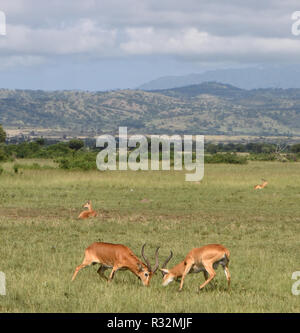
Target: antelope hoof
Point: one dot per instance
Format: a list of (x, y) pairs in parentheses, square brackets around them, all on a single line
[(199, 290)]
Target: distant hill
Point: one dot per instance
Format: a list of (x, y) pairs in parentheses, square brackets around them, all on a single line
[(281, 76), (210, 88), (208, 108)]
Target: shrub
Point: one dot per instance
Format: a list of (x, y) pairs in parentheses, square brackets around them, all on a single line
[(296, 148), (292, 157), (3, 156), (76, 144), (262, 157), (16, 168), (80, 161), (228, 158), (40, 141), (63, 163), (2, 134)]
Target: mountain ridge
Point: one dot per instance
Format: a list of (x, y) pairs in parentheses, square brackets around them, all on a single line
[(209, 108), (280, 76)]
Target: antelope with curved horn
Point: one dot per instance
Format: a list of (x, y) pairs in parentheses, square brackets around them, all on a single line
[(259, 187), (204, 259), (118, 257), (89, 212)]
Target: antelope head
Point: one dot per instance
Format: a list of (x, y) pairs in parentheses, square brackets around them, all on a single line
[(167, 274), (145, 271), (87, 205)]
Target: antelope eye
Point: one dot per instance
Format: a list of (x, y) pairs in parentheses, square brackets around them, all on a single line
[(146, 274)]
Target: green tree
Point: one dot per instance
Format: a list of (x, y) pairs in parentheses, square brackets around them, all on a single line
[(76, 144), (211, 148), (2, 134), (40, 141), (296, 148)]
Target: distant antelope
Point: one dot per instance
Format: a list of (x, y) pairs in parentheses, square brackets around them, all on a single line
[(89, 212), (259, 187), (117, 257), (204, 259)]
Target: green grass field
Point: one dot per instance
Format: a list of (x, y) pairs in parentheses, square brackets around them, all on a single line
[(41, 240)]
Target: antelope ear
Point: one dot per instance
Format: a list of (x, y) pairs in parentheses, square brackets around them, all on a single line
[(164, 271), (140, 267)]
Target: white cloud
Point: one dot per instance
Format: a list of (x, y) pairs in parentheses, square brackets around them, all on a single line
[(85, 37), (203, 46), (215, 31)]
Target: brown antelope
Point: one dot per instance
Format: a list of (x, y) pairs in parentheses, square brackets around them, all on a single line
[(117, 257), (204, 259), (89, 212), (259, 187)]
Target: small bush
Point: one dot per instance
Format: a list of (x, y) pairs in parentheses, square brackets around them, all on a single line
[(63, 163), (228, 158), (16, 168), (263, 157), (81, 161), (76, 144), (292, 157), (80, 164), (3, 156), (296, 148)]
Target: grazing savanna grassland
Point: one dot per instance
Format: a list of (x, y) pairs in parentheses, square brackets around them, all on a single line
[(41, 241)]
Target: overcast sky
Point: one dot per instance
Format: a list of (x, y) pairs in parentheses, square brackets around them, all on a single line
[(108, 44)]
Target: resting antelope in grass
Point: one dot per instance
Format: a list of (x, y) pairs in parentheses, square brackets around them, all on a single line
[(259, 187), (204, 259), (117, 257), (89, 212)]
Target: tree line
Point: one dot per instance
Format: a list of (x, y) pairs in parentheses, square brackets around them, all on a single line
[(79, 154)]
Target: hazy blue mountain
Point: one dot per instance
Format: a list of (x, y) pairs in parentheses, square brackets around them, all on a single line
[(287, 76)]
